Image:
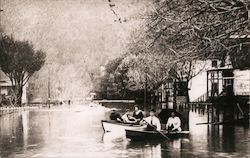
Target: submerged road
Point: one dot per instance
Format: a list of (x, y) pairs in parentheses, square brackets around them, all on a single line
[(76, 132)]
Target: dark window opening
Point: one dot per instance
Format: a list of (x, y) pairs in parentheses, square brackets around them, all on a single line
[(214, 63)]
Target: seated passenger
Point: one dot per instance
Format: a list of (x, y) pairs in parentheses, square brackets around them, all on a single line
[(127, 118), (115, 116), (137, 115), (174, 123)]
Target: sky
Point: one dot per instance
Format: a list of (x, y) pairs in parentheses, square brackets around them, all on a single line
[(78, 37)]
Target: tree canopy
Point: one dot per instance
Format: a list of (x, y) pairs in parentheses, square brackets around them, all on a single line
[(178, 34), (19, 61), (191, 29)]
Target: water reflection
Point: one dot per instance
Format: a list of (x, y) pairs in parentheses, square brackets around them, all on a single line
[(77, 132), (25, 128)]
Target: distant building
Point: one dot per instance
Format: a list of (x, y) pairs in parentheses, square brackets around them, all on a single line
[(213, 81), (217, 80), (233, 75), (217, 77), (6, 87)]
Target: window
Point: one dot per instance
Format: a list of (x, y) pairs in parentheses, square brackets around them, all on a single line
[(214, 63), (227, 73), (215, 89), (228, 82)]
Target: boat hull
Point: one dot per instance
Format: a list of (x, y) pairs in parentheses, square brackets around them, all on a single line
[(112, 126), (139, 135)]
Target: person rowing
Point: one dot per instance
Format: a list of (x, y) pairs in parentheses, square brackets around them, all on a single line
[(137, 114), (127, 118), (174, 123), (153, 123)]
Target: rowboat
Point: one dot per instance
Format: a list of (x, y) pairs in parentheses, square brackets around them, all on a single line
[(114, 126), (142, 135)]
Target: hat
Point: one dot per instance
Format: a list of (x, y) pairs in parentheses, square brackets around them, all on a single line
[(152, 110), (113, 109)]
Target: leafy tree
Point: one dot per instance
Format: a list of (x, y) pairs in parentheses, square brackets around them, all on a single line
[(19, 61), (196, 28), (122, 79), (190, 30), (112, 65), (183, 72)]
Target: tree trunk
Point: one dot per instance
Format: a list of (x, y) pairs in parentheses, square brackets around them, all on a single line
[(174, 96), (19, 95), (186, 89)]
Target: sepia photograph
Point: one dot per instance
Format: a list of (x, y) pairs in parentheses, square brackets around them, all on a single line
[(124, 78)]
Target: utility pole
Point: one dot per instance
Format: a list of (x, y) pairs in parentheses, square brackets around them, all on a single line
[(145, 88), (1, 10), (174, 94), (48, 84)]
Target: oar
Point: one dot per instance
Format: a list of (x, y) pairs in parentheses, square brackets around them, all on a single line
[(241, 111), (157, 131)]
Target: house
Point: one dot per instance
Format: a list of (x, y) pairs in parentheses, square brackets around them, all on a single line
[(213, 81), (231, 75), (216, 80), (6, 87), (172, 91)]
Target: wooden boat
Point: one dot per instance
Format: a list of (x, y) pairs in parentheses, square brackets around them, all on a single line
[(114, 126), (141, 135)]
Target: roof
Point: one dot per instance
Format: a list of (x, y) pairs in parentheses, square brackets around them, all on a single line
[(239, 36), (220, 69)]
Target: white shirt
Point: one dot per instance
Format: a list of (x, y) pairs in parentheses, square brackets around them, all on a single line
[(155, 121), (176, 122), (125, 118)]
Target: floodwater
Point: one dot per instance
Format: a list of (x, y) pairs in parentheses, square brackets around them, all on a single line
[(76, 132)]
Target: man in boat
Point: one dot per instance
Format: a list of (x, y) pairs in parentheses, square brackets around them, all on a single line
[(174, 123), (127, 118), (153, 123), (115, 116), (138, 115)]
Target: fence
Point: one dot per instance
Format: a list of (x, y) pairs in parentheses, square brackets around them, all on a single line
[(8, 110)]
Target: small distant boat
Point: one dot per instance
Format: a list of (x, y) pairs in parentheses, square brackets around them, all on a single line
[(141, 135), (114, 126)]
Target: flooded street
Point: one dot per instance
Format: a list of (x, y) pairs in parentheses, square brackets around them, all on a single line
[(68, 67), (77, 132)]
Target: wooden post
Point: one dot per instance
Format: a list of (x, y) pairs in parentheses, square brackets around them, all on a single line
[(145, 88), (49, 88), (207, 85), (208, 114), (212, 114), (174, 94), (218, 114)]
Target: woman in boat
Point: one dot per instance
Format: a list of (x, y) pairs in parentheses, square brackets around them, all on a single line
[(174, 123), (127, 118), (153, 122), (138, 115)]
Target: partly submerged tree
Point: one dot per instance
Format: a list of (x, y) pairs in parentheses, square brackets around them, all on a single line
[(19, 61), (183, 32), (183, 72), (190, 30)]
